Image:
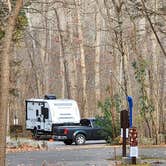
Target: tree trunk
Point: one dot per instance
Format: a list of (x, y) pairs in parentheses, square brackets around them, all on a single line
[(72, 64), (120, 42), (4, 78), (32, 55), (97, 57), (63, 61), (83, 66), (46, 55), (152, 27), (73, 58)]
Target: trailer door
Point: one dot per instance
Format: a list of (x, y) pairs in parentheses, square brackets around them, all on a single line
[(46, 125)]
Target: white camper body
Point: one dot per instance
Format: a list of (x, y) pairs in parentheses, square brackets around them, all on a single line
[(42, 114)]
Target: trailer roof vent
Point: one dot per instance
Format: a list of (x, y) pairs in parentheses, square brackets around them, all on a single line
[(50, 97)]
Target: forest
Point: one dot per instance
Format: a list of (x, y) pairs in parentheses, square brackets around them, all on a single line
[(96, 52)]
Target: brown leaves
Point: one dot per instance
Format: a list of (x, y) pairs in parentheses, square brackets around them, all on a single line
[(22, 148)]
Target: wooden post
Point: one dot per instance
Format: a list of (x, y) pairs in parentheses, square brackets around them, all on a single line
[(124, 142), (133, 160), (124, 126), (133, 135)]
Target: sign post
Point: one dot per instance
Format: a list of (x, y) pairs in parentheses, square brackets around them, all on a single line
[(130, 102), (133, 137), (124, 129)]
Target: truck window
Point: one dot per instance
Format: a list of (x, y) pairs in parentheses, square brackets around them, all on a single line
[(95, 123), (85, 122)]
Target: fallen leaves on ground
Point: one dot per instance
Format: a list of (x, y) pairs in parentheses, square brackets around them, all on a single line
[(23, 148)]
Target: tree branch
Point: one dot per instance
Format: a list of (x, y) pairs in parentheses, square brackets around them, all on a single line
[(152, 27)]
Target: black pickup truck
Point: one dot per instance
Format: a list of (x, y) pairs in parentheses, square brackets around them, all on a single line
[(86, 130)]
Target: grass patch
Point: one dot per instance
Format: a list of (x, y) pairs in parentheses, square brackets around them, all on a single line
[(116, 158), (142, 157), (142, 161), (150, 158), (134, 165)]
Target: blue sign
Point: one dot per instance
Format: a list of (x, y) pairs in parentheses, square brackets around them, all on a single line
[(130, 102)]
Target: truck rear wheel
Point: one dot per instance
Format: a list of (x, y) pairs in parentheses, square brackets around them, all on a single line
[(68, 142), (80, 139)]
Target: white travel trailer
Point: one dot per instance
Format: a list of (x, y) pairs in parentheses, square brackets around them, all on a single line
[(42, 115)]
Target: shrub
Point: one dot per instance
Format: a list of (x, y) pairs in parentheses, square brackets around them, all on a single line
[(109, 120)]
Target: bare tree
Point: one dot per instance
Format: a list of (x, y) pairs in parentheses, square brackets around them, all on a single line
[(4, 78), (73, 44), (97, 55), (82, 56), (152, 27), (63, 61)]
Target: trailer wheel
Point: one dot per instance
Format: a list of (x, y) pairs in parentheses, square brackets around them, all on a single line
[(68, 142), (80, 139), (35, 134)]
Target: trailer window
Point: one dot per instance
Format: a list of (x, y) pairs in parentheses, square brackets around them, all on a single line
[(37, 112), (45, 113)]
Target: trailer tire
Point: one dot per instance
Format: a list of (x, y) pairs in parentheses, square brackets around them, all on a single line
[(68, 142), (80, 139), (35, 134)]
